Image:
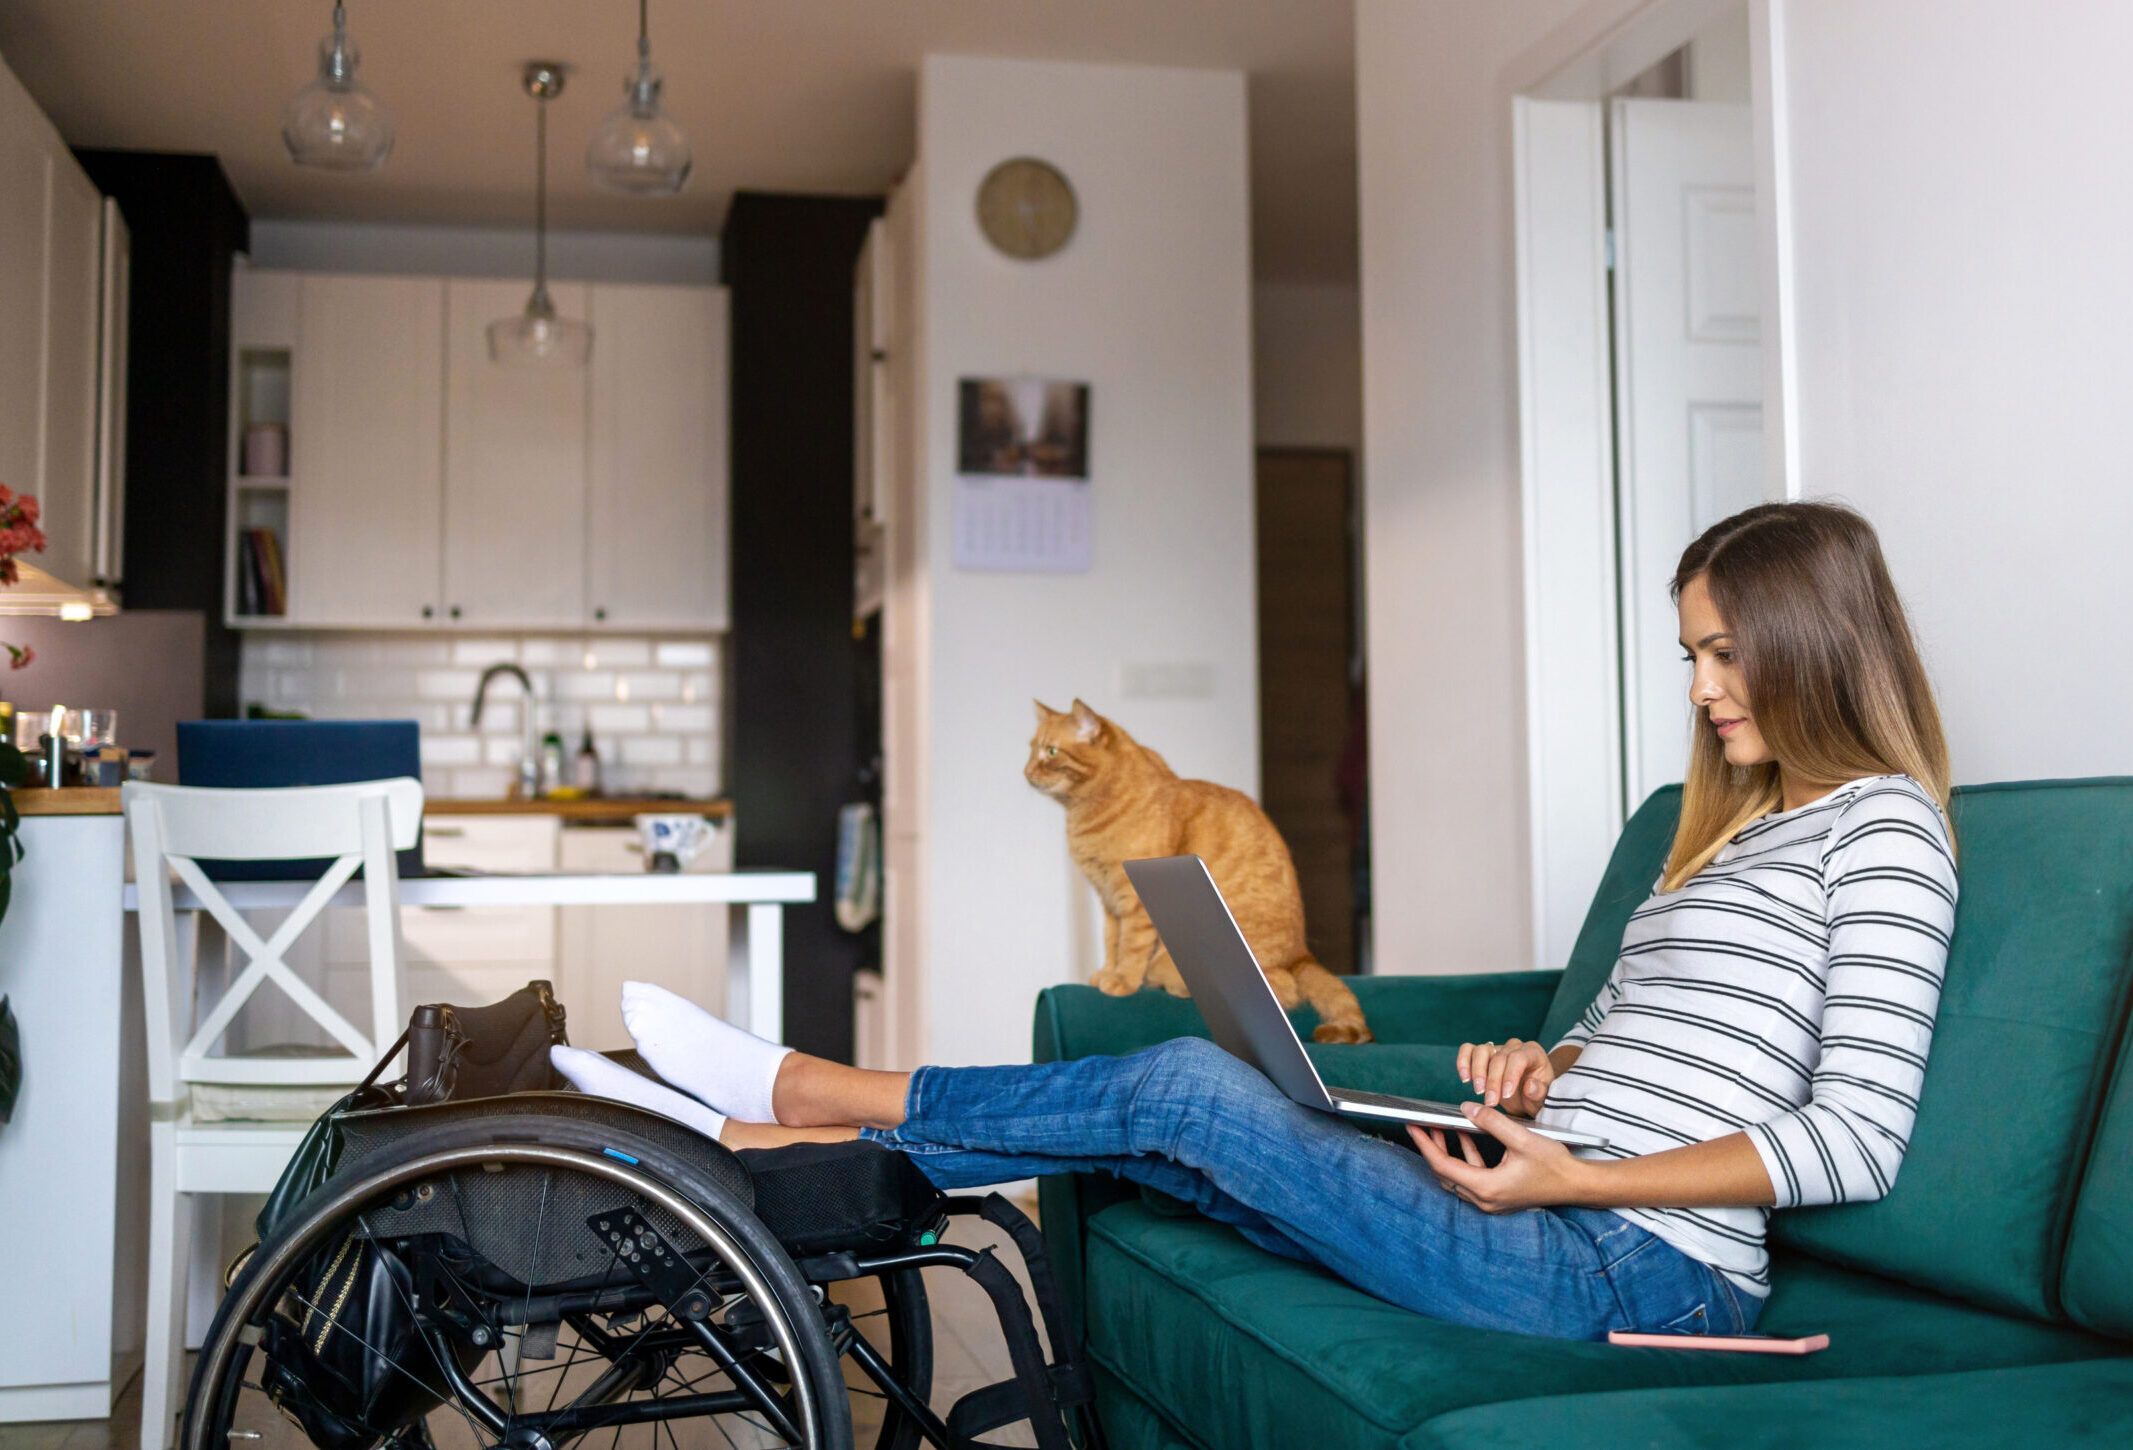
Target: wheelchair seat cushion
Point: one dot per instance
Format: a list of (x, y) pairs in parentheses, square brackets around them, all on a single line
[(829, 1197)]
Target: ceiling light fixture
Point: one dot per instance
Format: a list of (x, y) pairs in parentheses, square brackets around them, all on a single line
[(636, 149), (537, 335), (335, 122)]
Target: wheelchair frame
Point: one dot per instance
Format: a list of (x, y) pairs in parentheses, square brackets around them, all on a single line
[(779, 1347)]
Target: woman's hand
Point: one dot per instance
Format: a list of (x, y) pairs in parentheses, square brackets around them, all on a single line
[(1514, 1076), (1536, 1172)]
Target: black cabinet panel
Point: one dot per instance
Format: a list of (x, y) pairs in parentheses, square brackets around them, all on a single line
[(186, 226), (797, 747)]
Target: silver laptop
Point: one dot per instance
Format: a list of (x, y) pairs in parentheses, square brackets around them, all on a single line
[(1242, 1011)]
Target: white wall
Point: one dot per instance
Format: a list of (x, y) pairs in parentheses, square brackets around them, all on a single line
[(1965, 324), (439, 251), (1150, 304), (1307, 365), (1961, 304), (1442, 545)]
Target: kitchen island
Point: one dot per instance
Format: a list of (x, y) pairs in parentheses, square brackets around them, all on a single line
[(73, 1162)]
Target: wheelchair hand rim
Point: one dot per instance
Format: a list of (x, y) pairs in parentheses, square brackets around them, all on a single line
[(323, 1220)]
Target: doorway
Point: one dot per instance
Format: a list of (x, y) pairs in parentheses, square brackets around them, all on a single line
[(1312, 779), (1650, 221)]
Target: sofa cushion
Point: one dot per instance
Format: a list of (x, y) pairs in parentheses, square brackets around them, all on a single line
[(2086, 1406), (1244, 1348), (1632, 871), (2097, 1284), (2028, 1016)]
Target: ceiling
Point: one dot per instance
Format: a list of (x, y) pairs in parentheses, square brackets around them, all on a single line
[(779, 95)]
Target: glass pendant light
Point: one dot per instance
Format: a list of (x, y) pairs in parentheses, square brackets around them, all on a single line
[(537, 335), (637, 150), (335, 122)]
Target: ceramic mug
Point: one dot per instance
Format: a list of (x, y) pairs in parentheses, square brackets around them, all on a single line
[(671, 842)]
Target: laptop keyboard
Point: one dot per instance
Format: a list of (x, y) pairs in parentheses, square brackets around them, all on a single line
[(1381, 1100)]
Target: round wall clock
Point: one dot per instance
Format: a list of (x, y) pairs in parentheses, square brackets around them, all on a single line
[(1026, 208)]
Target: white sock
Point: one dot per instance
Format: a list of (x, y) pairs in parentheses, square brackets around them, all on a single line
[(709, 1059), (602, 1077)]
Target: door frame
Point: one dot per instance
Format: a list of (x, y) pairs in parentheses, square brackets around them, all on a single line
[(1556, 92)]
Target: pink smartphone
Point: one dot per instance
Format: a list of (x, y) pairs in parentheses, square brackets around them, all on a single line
[(1738, 1343)]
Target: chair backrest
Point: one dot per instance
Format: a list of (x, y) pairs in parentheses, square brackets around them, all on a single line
[(174, 827)]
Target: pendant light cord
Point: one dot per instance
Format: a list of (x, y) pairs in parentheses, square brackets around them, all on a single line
[(540, 196)]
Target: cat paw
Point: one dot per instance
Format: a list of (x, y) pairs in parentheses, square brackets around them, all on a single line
[(1342, 1032), (1113, 984)]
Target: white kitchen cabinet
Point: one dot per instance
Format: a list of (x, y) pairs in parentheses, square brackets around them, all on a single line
[(366, 428), (514, 470), (681, 948), (51, 279), (25, 161), (656, 495), (73, 232)]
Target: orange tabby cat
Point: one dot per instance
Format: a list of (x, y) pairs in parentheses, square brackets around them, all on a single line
[(1124, 803)]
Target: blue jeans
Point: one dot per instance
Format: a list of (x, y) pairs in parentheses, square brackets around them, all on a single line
[(1193, 1122)]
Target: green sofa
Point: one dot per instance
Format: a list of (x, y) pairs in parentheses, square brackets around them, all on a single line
[(1987, 1300)]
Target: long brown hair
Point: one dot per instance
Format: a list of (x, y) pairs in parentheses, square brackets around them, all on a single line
[(1833, 677)]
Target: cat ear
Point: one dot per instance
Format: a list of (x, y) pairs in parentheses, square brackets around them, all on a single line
[(1044, 711), (1087, 723)]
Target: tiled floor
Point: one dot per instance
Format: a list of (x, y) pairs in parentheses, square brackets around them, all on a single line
[(967, 1353)]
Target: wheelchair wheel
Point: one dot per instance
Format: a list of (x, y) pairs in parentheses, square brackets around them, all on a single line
[(531, 1281), (909, 1354)]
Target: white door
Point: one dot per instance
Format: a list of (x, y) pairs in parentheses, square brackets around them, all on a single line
[(1688, 378), (73, 254), (514, 469), (366, 475), (656, 511)]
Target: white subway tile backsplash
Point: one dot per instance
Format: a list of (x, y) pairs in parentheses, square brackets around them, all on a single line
[(650, 685), (682, 719), (471, 784), (482, 653), (447, 684), (652, 704), (617, 654), (682, 654), (562, 652), (284, 652), (393, 650), (688, 779), (450, 750), (651, 750), (619, 719), (584, 685)]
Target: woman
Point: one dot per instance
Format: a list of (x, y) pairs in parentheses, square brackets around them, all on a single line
[(1760, 1041)]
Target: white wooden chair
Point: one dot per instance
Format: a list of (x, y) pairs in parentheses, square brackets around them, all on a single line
[(173, 828)]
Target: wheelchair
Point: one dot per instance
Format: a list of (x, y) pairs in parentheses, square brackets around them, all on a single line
[(532, 1269)]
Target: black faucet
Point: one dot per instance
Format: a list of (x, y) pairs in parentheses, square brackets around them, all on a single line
[(529, 764)]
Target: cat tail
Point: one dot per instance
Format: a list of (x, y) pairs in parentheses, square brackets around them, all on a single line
[(1340, 1016)]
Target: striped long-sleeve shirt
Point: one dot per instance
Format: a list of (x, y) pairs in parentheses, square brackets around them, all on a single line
[(1788, 990)]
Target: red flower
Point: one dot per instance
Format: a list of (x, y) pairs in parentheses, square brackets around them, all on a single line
[(22, 656)]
